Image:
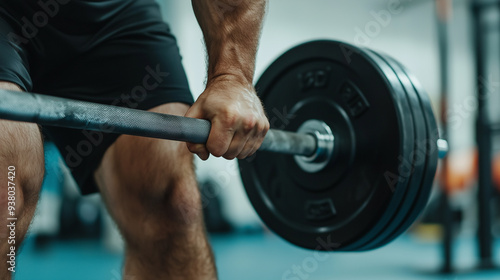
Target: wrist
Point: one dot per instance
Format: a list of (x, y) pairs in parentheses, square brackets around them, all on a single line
[(230, 78), (231, 61)]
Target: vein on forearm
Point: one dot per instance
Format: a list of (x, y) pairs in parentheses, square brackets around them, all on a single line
[(231, 29)]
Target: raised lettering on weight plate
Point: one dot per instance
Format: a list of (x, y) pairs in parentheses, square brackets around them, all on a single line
[(319, 78)]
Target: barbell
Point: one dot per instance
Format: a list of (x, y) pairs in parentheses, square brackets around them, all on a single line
[(349, 161)]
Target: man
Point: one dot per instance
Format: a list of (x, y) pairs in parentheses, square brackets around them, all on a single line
[(120, 52)]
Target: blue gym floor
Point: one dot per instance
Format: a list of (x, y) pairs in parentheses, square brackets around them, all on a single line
[(262, 257)]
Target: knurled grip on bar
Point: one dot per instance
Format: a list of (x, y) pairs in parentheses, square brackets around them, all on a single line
[(55, 111)]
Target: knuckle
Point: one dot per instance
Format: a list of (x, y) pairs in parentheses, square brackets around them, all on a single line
[(191, 148), (263, 127), (216, 150), (234, 151), (249, 123), (262, 133), (242, 156), (230, 117), (229, 157), (266, 126), (194, 148), (247, 153), (249, 149), (217, 153)]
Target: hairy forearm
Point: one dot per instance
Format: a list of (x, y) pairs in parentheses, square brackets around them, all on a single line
[(232, 30)]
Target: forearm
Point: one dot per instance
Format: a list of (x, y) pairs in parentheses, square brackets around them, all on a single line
[(232, 30)]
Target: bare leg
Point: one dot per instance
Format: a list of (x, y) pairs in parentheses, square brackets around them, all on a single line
[(150, 189), (20, 148)]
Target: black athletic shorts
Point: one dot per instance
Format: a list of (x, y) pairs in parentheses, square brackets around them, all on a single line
[(117, 52)]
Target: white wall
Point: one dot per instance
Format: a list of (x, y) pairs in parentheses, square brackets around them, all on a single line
[(409, 36)]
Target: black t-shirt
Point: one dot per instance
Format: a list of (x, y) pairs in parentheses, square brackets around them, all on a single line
[(73, 16), (51, 31)]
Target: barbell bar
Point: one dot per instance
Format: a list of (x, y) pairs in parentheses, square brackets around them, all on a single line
[(68, 113)]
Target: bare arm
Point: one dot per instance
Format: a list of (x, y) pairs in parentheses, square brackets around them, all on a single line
[(231, 29)]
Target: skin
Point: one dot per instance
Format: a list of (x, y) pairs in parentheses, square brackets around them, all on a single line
[(21, 147), (149, 185), (239, 124)]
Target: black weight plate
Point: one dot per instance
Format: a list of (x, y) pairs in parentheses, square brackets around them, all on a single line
[(417, 159), (431, 155), (424, 149), (342, 86), (403, 176)]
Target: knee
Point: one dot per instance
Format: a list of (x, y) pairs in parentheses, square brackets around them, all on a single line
[(21, 165), (149, 219), (163, 183), (184, 206), (179, 207)]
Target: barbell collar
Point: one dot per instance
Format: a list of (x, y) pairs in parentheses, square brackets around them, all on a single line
[(442, 148)]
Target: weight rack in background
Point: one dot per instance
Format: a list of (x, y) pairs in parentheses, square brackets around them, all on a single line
[(482, 27), (444, 11), (484, 131)]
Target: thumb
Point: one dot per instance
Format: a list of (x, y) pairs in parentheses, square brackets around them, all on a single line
[(194, 112)]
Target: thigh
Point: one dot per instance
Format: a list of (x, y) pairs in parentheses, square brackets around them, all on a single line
[(21, 147), (21, 176), (21, 172)]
